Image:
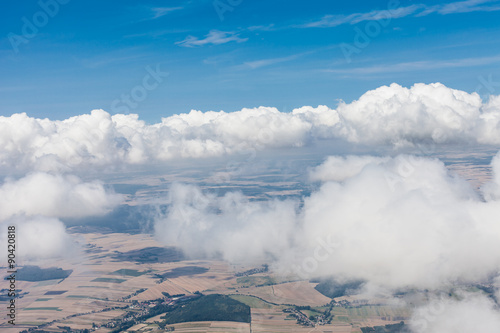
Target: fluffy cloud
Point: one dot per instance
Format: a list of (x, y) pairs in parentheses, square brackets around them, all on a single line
[(470, 313), (338, 168), (404, 222), (395, 222), (34, 204), (230, 227), (492, 190), (38, 238), (54, 196), (389, 115)]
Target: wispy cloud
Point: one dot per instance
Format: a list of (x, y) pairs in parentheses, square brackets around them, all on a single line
[(156, 33), (418, 66), (272, 61), (214, 37), (269, 27), (416, 10), (461, 7), (336, 20), (162, 11)]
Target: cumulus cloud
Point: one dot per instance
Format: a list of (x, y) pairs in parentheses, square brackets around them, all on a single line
[(405, 222), (38, 238), (34, 204), (339, 168), (470, 313), (491, 190), (230, 227), (390, 115), (395, 222), (55, 196)]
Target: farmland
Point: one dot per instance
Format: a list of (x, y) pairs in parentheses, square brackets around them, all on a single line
[(126, 276)]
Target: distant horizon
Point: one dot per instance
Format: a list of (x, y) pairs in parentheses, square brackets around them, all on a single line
[(144, 116)]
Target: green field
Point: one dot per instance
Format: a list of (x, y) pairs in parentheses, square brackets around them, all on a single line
[(43, 299), (49, 308), (311, 312), (379, 311), (36, 274), (110, 280), (209, 308), (250, 281), (252, 301)]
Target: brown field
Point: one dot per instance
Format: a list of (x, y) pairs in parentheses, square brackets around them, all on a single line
[(275, 321), (85, 297), (201, 327), (297, 293), (213, 327)]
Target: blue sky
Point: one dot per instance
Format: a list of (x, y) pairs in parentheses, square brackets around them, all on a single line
[(88, 55)]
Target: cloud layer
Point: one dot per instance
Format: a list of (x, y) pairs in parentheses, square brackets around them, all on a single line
[(395, 222), (40, 237), (34, 204), (469, 313), (54, 196), (230, 227), (389, 115)]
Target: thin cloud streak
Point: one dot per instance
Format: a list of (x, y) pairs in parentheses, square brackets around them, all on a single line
[(214, 37), (162, 11), (418, 65), (336, 20), (417, 10), (461, 7), (272, 61)]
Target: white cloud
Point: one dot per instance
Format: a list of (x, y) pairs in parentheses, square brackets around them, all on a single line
[(39, 238), (401, 116), (230, 227), (389, 115), (267, 62), (54, 196), (395, 222), (417, 66), (491, 190), (375, 15), (338, 168), (471, 313), (162, 11), (214, 37), (394, 12), (404, 222), (33, 205), (461, 7)]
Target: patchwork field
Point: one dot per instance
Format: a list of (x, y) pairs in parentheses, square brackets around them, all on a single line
[(115, 271)]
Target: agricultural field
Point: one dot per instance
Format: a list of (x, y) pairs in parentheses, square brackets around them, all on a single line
[(117, 272)]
